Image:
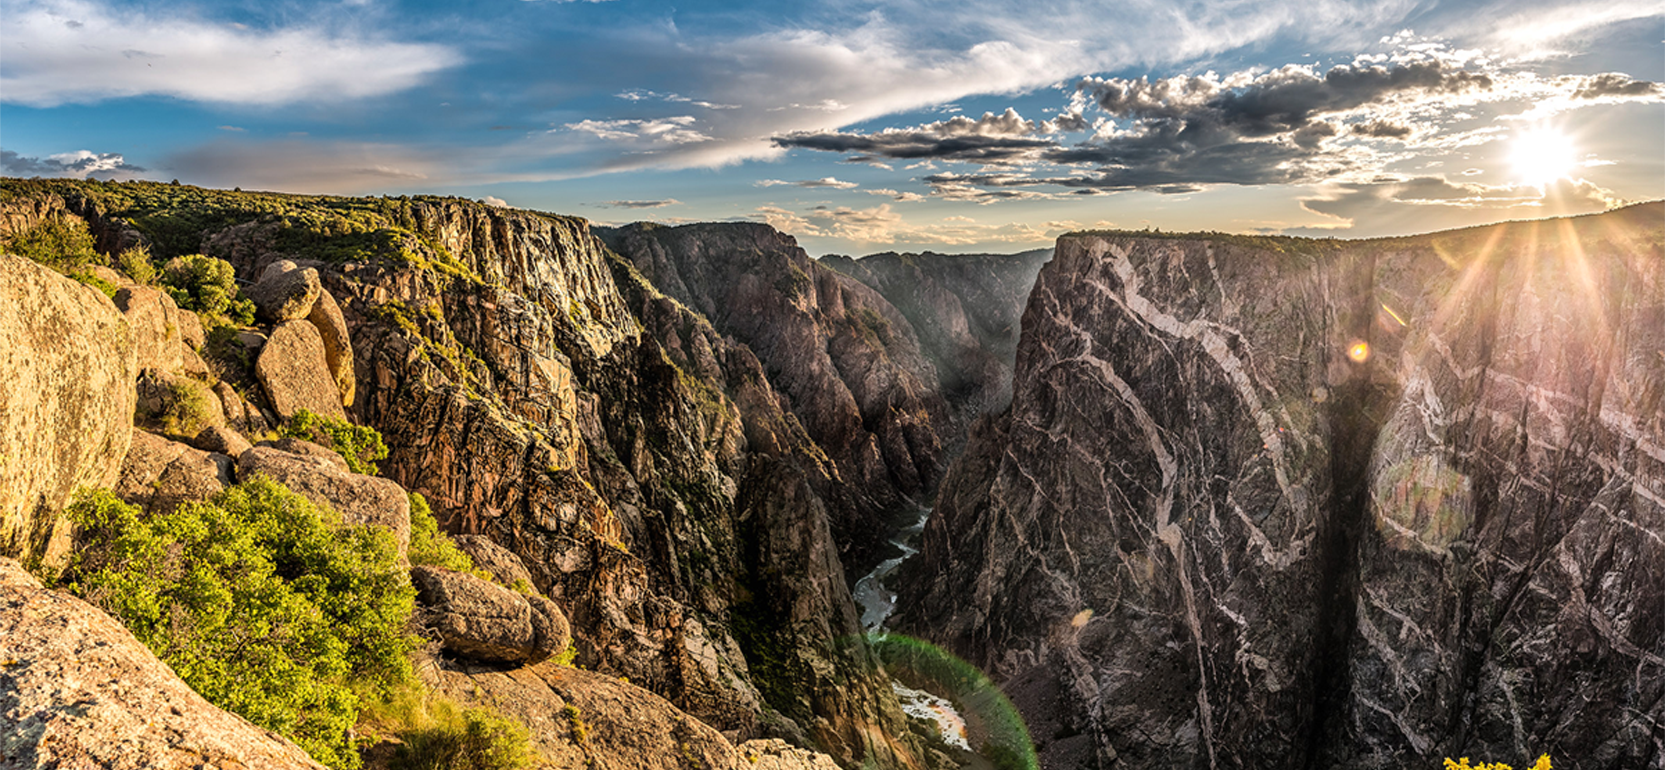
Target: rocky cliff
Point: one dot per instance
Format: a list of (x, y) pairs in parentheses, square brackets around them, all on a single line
[(1284, 503), (539, 392), (965, 309)]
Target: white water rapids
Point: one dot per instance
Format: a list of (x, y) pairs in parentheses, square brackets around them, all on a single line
[(877, 603)]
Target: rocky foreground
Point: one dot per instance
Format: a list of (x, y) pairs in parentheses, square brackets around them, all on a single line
[(1284, 503)]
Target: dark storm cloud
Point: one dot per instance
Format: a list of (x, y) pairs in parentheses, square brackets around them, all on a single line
[(1380, 129), (1616, 84), (77, 164), (990, 139)]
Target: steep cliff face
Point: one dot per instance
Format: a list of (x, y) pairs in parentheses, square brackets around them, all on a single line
[(1288, 503), (965, 309), (538, 391), (845, 362)]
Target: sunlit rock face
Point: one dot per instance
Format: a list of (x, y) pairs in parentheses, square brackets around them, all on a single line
[(1275, 503)]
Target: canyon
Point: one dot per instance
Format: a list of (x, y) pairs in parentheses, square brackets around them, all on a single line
[(1196, 501)]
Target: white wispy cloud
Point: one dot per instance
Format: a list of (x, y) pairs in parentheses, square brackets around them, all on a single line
[(826, 181), (78, 51)]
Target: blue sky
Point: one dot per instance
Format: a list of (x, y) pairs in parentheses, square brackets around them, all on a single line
[(979, 125)]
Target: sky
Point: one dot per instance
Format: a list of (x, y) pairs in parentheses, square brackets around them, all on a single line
[(859, 127)]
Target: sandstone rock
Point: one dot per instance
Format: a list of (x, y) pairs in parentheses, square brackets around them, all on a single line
[(222, 440), (776, 754), (487, 622), (159, 475), (360, 499), (154, 319), (77, 690), (338, 346), (293, 370), (501, 562), (285, 292), (66, 401), (110, 276)]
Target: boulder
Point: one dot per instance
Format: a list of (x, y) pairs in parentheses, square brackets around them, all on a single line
[(285, 292), (502, 563), (174, 404), (220, 439), (190, 329), (154, 319), (78, 690), (305, 448), (360, 499), (295, 373), (159, 475), (240, 415), (338, 346), (484, 621), (66, 410)]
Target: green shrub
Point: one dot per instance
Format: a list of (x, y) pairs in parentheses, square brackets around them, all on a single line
[(428, 545), (61, 243), (91, 279), (261, 601), (471, 739), (209, 287), (360, 445), (136, 263)]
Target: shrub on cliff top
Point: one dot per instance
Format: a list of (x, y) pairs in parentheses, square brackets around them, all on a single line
[(431, 547), (261, 601), (207, 286)]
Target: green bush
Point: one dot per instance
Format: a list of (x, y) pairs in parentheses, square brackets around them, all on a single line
[(428, 545), (474, 739), (261, 601), (61, 243), (136, 263), (360, 445), (209, 287)]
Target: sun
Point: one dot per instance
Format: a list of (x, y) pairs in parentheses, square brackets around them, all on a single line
[(1542, 155)]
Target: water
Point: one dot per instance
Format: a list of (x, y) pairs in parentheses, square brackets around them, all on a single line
[(877, 603)]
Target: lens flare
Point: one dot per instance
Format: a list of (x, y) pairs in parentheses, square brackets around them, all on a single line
[(992, 724), (1359, 351)]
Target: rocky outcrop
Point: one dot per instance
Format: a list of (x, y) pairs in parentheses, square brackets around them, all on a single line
[(501, 563), (965, 309), (338, 347), (159, 475), (580, 719), (77, 690), (1271, 502), (360, 499), (66, 410), (295, 372), (482, 621)]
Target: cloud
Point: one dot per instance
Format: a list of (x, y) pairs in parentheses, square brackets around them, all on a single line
[(492, 200), (1616, 84), (643, 94), (882, 225), (1426, 203), (111, 53), (643, 204), (660, 131), (82, 164), (904, 197), (833, 182), (989, 139)]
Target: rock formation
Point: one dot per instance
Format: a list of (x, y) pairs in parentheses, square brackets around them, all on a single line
[(965, 309), (1271, 502), (66, 402), (77, 690)]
